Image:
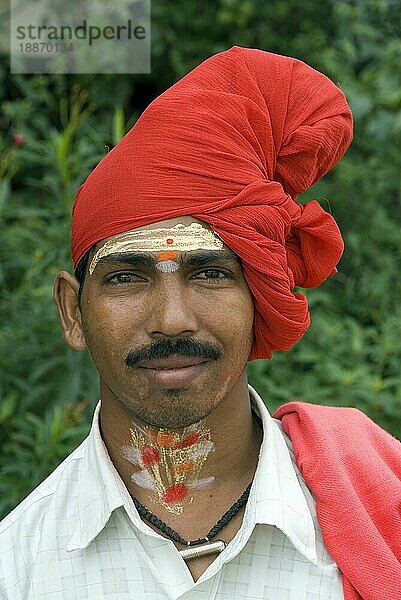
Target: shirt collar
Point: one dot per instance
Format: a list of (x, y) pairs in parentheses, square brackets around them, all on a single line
[(276, 496), (101, 489)]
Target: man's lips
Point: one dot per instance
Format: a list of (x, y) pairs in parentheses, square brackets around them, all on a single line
[(174, 372), (173, 362)]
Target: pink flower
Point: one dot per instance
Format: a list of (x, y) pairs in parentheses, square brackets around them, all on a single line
[(18, 139)]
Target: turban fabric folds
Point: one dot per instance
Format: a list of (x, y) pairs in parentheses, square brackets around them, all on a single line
[(232, 143)]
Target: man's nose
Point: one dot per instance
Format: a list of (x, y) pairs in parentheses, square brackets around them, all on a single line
[(171, 311)]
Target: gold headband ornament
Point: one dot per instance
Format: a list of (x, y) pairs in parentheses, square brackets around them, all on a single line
[(183, 238)]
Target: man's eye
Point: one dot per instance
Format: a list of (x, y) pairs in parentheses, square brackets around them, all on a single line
[(213, 274), (124, 278)]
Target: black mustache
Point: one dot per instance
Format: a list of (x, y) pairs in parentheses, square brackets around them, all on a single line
[(166, 348)]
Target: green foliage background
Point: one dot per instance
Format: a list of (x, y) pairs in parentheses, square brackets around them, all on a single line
[(351, 354)]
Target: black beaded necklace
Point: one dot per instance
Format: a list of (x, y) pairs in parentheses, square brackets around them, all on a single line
[(201, 546)]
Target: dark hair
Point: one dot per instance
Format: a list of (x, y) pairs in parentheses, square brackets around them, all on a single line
[(80, 272)]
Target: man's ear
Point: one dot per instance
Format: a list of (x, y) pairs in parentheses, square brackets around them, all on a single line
[(65, 294)]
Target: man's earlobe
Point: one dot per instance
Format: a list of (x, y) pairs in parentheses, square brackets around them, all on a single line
[(65, 294)]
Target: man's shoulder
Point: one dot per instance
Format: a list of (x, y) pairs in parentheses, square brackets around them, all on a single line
[(58, 492), (330, 414), (342, 426), (40, 524)]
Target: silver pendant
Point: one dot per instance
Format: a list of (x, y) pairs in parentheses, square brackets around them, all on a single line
[(203, 550)]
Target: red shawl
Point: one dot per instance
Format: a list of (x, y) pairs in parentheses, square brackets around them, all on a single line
[(353, 468)]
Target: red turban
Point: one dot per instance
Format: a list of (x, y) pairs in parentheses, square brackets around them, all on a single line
[(232, 144)]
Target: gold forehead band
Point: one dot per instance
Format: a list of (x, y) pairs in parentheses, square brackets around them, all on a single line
[(183, 238)]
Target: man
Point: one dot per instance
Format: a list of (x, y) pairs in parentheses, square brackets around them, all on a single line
[(187, 242)]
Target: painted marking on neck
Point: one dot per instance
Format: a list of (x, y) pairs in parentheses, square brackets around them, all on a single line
[(169, 463)]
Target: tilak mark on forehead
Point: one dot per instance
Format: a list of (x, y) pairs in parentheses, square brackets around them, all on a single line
[(167, 241)]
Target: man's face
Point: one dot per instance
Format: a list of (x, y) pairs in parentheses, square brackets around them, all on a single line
[(168, 345)]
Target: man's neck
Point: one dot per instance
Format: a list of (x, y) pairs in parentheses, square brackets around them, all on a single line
[(176, 472)]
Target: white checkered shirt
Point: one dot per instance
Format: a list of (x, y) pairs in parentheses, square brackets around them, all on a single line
[(78, 536)]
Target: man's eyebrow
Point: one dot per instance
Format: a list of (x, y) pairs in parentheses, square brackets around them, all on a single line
[(137, 259), (204, 258)]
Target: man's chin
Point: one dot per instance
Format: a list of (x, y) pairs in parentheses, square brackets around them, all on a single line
[(174, 410), (173, 392)]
